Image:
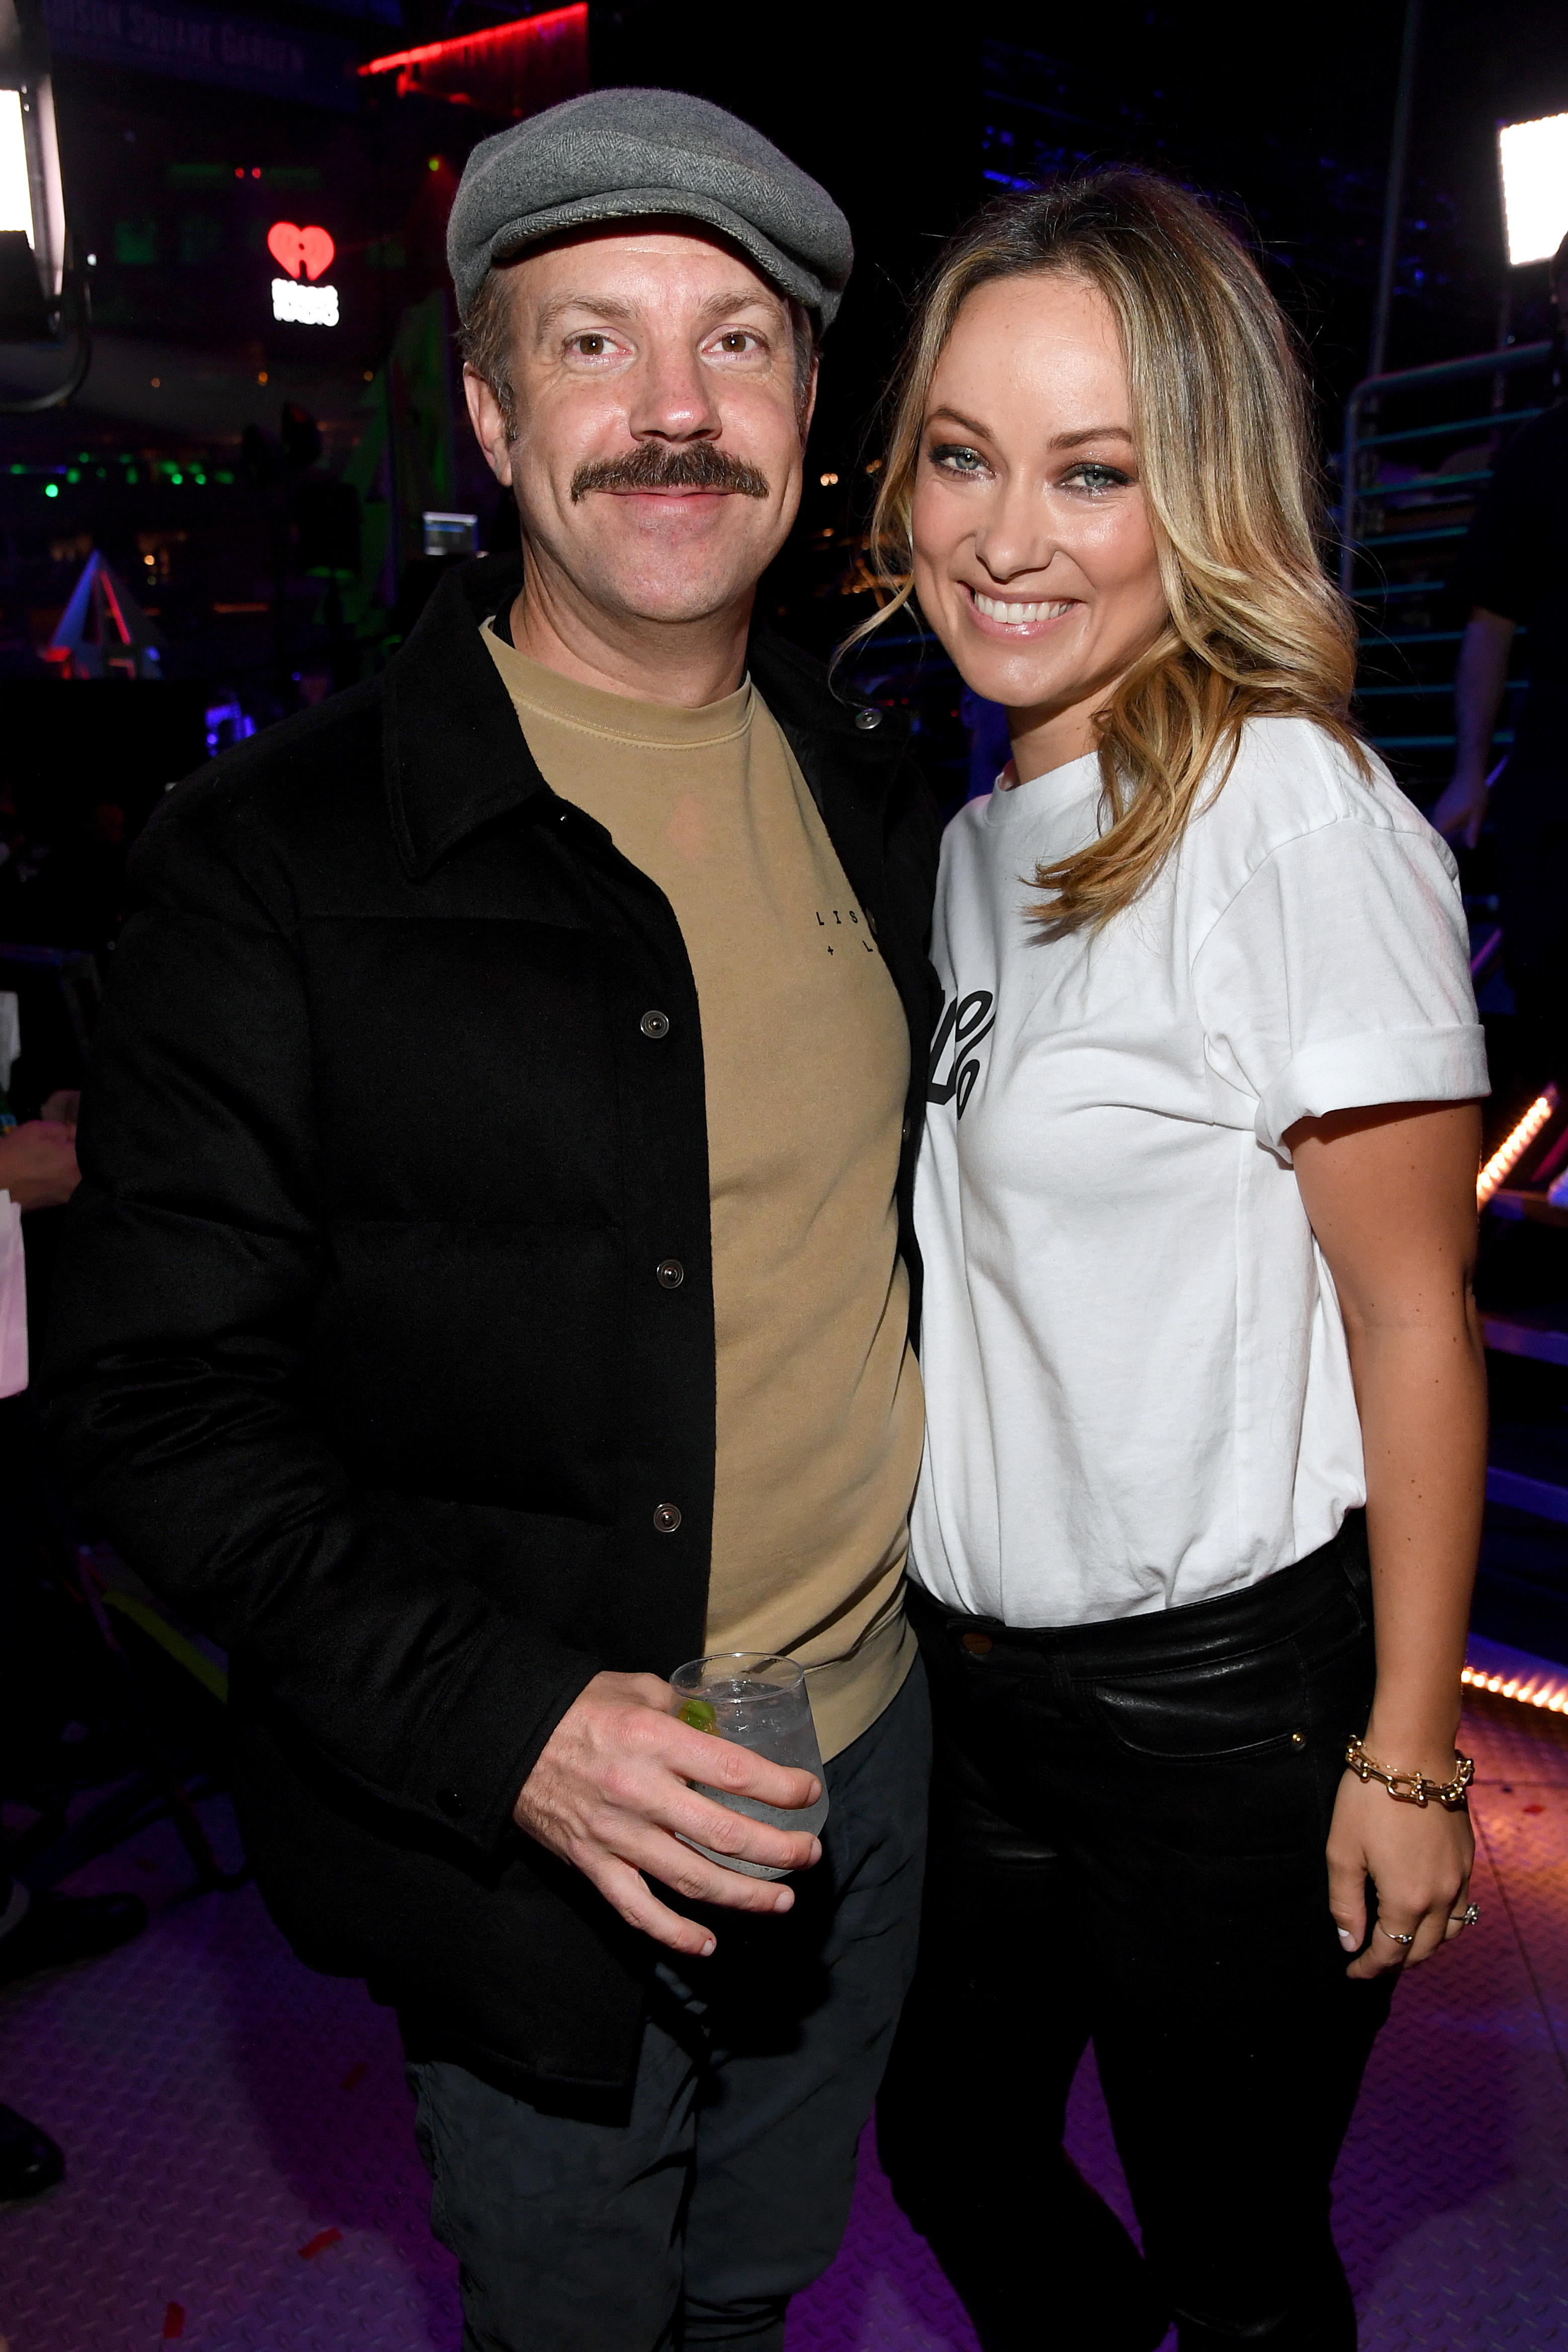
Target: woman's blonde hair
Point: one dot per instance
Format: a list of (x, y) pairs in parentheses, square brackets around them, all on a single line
[(1221, 417)]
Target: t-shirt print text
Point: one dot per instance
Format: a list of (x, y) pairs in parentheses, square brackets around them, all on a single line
[(965, 1024), (847, 930)]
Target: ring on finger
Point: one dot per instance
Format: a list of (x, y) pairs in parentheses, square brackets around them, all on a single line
[(1394, 1937), (1468, 1918)]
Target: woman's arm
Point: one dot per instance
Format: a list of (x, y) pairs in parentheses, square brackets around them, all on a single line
[(1391, 1193)]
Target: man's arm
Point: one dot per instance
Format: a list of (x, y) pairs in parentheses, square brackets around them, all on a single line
[(188, 1276), (1479, 681)]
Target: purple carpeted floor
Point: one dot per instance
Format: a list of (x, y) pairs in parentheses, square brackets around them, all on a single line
[(242, 2173)]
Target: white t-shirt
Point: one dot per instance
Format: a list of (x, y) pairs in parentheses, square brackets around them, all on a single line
[(1137, 1388)]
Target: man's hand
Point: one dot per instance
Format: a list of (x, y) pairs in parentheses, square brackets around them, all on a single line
[(64, 1105), (1460, 812), (609, 1794), (38, 1165)]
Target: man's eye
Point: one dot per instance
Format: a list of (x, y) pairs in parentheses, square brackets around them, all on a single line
[(957, 457), (737, 339), (591, 347)]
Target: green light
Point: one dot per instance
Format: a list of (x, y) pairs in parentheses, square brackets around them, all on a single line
[(172, 476), (51, 489), (130, 476), (199, 478), (72, 474), (436, 163), (18, 469)]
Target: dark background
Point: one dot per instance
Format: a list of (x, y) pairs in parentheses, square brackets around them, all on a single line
[(175, 462)]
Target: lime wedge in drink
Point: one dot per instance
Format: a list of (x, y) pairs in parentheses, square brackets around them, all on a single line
[(699, 1714)]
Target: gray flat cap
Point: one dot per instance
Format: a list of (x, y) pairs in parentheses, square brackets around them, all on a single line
[(616, 155)]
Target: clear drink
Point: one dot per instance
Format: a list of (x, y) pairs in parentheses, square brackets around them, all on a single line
[(759, 1703)]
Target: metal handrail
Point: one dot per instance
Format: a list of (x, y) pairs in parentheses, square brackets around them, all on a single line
[(1375, 388)]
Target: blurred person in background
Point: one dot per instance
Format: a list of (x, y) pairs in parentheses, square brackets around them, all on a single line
[(1513, 575), (42, 1929)]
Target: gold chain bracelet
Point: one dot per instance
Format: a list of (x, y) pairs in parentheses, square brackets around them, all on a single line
[(1412, 1788)]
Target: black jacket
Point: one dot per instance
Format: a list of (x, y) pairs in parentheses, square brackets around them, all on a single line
[(357, 1353)]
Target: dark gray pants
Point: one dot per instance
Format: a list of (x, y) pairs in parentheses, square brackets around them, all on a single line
[(727, 2188)]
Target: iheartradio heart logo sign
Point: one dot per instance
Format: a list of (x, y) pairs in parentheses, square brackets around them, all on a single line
[(297, 249)]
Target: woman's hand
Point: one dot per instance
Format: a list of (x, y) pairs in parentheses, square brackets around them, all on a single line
[(1419, 1859)]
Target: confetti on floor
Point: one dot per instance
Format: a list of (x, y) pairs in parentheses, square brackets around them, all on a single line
[(242, 2174)]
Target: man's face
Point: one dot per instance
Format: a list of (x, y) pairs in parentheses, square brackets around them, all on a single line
[(660, 424)]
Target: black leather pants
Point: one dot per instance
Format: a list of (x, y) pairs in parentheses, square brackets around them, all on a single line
[(1128, 1824)]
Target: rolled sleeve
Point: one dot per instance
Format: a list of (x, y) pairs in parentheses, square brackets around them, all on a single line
[(1338, 976), (1386, 1066)]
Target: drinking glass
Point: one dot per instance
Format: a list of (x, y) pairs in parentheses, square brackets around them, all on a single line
[(759, 1702)]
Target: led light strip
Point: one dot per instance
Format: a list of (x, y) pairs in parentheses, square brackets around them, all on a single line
[(1549, 1691), (1513, 1149)]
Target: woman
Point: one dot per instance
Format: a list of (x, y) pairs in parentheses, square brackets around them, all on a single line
[(1198, 1210)]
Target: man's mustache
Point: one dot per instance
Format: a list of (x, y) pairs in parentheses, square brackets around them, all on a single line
[(653, 467)]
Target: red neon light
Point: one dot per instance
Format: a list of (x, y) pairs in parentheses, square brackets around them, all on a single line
[(112, 600), (492, 36), (293, 249), (516, 68)]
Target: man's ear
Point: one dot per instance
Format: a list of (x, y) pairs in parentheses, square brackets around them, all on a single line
[(489, 423), (808, 398)]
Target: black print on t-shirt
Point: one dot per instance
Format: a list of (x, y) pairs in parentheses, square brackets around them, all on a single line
[(832, 920), (963, 1024)]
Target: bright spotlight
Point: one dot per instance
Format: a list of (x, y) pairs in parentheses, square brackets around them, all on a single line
[(1534, 157), (15, 196)]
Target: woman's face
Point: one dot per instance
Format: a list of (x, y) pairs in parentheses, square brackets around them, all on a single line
[(1034, 554)]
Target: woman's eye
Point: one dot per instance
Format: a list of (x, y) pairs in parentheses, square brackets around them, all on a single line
[(1092, 477), (957, 457)]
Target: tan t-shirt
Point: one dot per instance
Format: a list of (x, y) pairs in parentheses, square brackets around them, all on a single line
[(806, 1055)]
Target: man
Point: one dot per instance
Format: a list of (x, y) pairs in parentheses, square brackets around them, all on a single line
[(488, 1285), (1514, 574)]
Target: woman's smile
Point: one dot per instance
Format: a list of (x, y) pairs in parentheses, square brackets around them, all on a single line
[(1009, 617)]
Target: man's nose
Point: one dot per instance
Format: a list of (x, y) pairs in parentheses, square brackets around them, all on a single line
[(672, 397)]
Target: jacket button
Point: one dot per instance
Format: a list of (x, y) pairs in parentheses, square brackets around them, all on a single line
[(451, 1803), (978, 1646), (671, 1273), (867, 720), (654, 1024), (667, 1518), (903, 1132)]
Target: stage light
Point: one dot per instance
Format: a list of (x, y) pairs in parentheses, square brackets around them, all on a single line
[(1548, 1690), (1515, 1146), (1534, 160), (16, 196)]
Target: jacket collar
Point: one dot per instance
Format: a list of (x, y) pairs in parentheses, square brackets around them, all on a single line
[(455, 758)]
